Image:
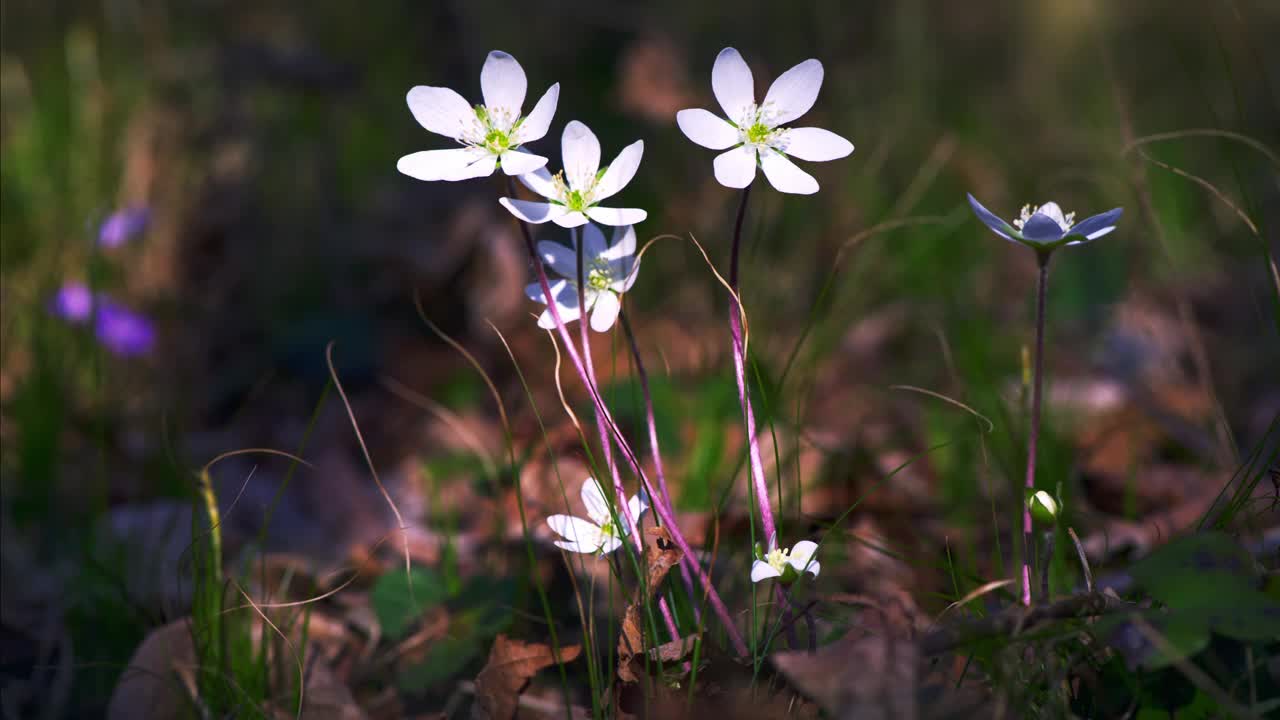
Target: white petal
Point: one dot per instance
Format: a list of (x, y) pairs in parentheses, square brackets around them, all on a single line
[(593, 498), (441, 111), (628, 269), (814, 144), (794, 92), (567, 315), (563, 260), (638, 504), (1097, 234), (576, 530), (609, 545), (566, 298), (761, 570), (519, 162), (593, 244), (1054, 213), (784, 176), (532, 212), (622, 244), (535, 124), (570, 219), (575, 547), (801, 557), (616, 216), (483, 167), (438, 164), (605, 311), (503, 83), (581, 153), (541, 182), (736, 168), (620, 171), (706, 129), (732, 83)]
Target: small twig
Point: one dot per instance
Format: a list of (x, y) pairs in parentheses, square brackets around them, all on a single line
[(1016, 618), (1084, 560)]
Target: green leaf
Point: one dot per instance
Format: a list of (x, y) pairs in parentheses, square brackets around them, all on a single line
[(396, 607)]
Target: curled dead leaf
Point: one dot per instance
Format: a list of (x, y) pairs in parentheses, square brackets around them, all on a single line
[(512, 663), (659, 559)]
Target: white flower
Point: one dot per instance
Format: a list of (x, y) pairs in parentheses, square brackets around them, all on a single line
[(786, 564), (491, 134), (755, 132), (575, 193), (1045, 227), (609, 270), (601, 534)]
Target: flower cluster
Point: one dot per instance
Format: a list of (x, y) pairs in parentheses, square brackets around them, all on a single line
[(591, 274)]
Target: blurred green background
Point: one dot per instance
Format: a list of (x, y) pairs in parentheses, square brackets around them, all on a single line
[(263, 137)]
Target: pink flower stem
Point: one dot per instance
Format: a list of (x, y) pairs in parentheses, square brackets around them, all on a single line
[(1033, 439), (624, 508), (655, 451), (740, 374), (667, 519)]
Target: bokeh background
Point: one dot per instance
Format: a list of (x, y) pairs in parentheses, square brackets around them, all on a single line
[(262, 138)]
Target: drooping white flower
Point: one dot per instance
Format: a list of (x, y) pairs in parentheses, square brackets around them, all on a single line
[(607, 271), (600, 534), (491, 134), (1045, 227), (575, 194), (786, 564), (754, 134)]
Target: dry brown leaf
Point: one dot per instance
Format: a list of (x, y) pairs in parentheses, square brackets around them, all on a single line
[(512, 663), (871, 677), (674, 650), (659, 559)]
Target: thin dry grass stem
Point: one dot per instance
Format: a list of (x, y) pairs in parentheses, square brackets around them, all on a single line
[(447, 416), (247, 451), (884, 227), (942, 151), (564, 401), (976, 593), (1203, 132), (1221, 196), (355, 426), (1143, 189), (297, 657), (493, 389), (931, 393)]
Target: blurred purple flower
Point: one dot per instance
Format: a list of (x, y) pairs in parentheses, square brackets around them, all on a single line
[(119, 329), (122, 331), (123, 225), (73, 303)]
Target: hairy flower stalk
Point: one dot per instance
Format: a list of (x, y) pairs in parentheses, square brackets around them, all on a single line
[(602, 412), (1033, 439), (655, 451), (1043, 228), (740, 374)]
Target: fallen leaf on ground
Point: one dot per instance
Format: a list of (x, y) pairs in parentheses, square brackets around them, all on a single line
[(512, 663)]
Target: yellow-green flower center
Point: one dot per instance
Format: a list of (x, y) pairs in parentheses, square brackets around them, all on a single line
[(777, 559), (598, 277), (496, 141), (758, 133)]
